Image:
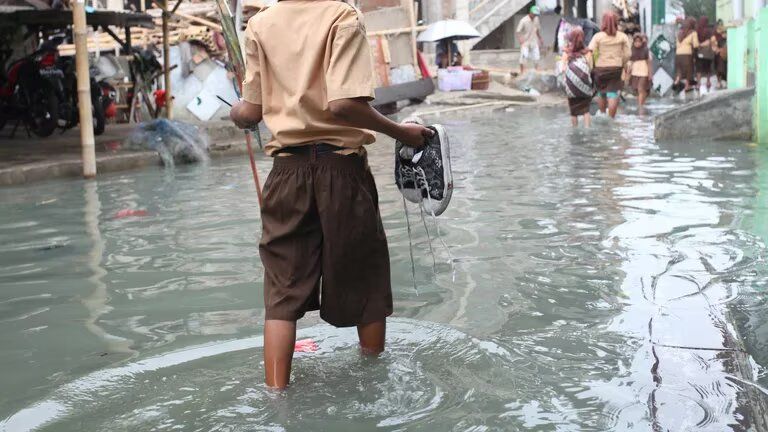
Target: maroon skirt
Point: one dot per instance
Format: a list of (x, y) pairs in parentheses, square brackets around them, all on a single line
[(579, 106), (608, 79), (640, 83), (684, 66)]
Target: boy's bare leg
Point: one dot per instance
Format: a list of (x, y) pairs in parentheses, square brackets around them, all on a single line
[(613, 106), (372, 337), (279, 343), (602, 104)]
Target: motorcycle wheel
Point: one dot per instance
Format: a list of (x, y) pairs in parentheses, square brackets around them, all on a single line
[(44, 115), (99, 117)]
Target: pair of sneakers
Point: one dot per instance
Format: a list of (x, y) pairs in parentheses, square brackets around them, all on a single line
[(424, 175)]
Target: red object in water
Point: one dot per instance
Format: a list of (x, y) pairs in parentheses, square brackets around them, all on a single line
[(113, 145), (129, 213), (160, 98), (305, 346)]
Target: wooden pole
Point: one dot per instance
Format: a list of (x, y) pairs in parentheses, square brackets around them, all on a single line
[(84, 89), (412, 18), (167, 63)]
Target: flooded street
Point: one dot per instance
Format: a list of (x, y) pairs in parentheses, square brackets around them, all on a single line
[(599, 281)]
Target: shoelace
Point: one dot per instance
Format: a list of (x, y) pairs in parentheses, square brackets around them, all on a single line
[(420, 182)]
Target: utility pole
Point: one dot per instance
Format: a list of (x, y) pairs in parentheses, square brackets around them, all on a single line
[(84, 89)]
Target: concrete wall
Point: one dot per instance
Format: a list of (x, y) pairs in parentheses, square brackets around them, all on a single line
[(719, 116), (498, 59), (504, 37)]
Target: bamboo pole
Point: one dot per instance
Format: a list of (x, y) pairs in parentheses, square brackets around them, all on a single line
[(167, 63), (84, 89)]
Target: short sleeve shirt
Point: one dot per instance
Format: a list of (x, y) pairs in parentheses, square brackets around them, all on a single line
[(301, 55), (688, 44), (610, 51), (526, 28)]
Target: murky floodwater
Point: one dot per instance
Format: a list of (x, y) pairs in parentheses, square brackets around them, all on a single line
[(598, 282)]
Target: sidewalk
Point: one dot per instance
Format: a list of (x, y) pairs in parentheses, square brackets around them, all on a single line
[(26, 159)]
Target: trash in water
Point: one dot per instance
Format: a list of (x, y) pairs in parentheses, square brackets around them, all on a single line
[(130, 213), (534, 83), (305, 346), (175, 141)]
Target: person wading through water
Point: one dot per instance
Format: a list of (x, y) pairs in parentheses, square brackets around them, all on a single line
[(611, 49), (309, 77), (640, 68), (577, 64)]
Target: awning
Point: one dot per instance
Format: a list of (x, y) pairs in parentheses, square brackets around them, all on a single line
[(63, 18)]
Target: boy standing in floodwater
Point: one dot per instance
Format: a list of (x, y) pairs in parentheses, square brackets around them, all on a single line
[(309, 77)]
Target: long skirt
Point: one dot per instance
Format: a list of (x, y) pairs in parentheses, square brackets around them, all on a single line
[(684, 66), (579, 106), (721, 68), (704, 67), (640, 83)]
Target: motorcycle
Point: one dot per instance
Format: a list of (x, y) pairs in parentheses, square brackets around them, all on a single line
[(60, 72), (26, 96)]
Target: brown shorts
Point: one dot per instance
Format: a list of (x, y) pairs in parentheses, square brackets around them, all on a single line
[(608, 79), (321, 222)]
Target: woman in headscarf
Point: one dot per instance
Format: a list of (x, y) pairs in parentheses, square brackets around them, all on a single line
[(687, 41), (721, 57), (640, 67), (577, 64), (706, 53), (611, 50)]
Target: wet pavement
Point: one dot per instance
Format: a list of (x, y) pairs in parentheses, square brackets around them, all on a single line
[(599, 280)]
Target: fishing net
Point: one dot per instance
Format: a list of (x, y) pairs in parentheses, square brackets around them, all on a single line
[(176, 142)]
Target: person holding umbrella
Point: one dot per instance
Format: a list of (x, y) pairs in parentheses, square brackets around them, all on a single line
[(529, 36), (443, 58), (445, 33)]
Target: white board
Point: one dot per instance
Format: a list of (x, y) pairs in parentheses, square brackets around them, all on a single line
[(204, 105), (662, 82)]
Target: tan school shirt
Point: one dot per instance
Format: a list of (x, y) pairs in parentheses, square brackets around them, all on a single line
[(301, 55), (688, 44), (611, 51), (640, 68), (527, 28)]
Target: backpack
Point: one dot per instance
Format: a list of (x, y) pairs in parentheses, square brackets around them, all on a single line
[(578, 79)]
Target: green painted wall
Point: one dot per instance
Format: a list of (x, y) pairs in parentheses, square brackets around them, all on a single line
[(751, 45), (737, 57), (761, 73)]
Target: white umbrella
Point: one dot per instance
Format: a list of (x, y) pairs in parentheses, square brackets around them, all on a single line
[(448, 29)]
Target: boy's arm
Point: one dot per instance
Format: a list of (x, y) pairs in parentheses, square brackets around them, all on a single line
[(357, 112), (245, 115)]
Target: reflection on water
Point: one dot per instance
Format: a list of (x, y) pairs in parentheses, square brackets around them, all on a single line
[(599, 282)]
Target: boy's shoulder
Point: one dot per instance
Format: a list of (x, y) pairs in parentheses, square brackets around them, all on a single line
[(336, 9)]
